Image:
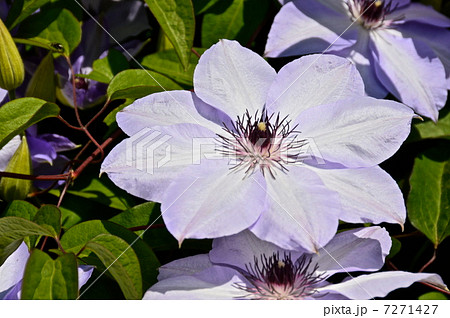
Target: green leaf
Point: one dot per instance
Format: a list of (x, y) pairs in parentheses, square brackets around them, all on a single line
[(177, 20), (14, 230), (111, 117), (15, 188), (42, 84), (121, 261), (201, 6), (22, 209), (433, 296), (21, 9), (103, 70), (77, 237), (45, 278), (430, 129), (429, 198), (167, 63), (137, 84), (19, 114), (395, 248), (139, 215), (49, 217), (55, 25), (100, 190), (237, 19)]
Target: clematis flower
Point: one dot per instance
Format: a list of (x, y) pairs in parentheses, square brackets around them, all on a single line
[(12, 270), (95, 44), (398, 47), (242, 266), (288, 154)]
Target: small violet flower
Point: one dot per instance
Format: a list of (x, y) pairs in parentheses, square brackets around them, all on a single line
[(254, 149), (398, 47), (12, 270), (244, 267), (45, 152)]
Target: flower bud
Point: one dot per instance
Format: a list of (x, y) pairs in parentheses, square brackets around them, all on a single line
[(12, 71)]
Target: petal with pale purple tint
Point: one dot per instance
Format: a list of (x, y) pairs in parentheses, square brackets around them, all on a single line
[(59, 143), (358, 132), (436, 38), (242, 248), (313, 80), (302, 212), (361, 56), (417, 12), (308, 27), (169, 108), (410, 71), (146, 163), (380, 284), (84, 273), (40, 150), (185, 266), (8, 151), (354, 250), (233, 79), (11, 272), (208, 201), (367, 195)]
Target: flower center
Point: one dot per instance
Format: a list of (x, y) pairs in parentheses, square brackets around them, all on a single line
[(81, 83), (255, 142), (276, 278), (371, 14)]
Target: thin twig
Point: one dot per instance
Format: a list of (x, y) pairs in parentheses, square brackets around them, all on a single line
[(32, 177), (67, 123), (195, 52), (105, 106), (432, 259)]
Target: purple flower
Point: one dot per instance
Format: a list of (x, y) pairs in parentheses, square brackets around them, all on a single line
[(88, 92), (95, 44), (12, 270), (3, 96), (45, 152), (285, 155), (397, 46), (244, 267)]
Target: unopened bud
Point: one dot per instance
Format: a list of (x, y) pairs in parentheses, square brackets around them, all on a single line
[(12, 71)]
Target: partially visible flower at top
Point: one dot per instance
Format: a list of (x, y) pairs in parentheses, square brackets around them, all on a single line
[(95, 45), (285, 155), (45, 152), (244, 267), (397, 46), (12, 270), (88, 92)]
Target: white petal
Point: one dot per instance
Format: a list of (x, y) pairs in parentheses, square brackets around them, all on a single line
[(302, 212), (380, 284), (165, 108), (84, 273), (192, 288), (185, 266), (307, 27), (8, 151), (242, 248), (410, 71), (209, 201), (233, 79), (362, 249), (313, 80), (368, 195), (146, 163), (11, 272), (358, 132)]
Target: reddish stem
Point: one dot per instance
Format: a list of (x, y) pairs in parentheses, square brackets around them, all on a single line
[(146, 227)]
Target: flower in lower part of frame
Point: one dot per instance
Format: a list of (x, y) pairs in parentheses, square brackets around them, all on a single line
[(285, 155), (398, 47), (244, 267), (12, 270)]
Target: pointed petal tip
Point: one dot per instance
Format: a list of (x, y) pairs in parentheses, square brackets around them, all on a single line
[(418, 117)]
